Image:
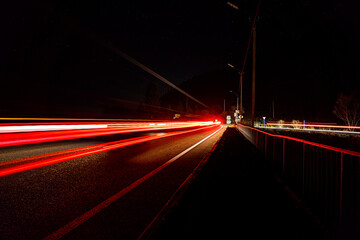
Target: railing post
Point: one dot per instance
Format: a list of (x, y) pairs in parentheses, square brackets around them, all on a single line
[(265, 146), (283, 163), (257, 139), (303, 170), (341, 184), (318, 166), (273, 158)]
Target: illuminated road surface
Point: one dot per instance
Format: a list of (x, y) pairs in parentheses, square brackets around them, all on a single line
[(108, 194)]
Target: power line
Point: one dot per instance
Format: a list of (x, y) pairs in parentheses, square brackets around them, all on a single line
[(113, 48)]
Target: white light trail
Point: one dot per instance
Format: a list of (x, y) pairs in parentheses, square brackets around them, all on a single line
[(38, 128), (311, 130)]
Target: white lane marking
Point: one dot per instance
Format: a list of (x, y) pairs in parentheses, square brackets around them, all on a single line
[(87, 215), (185, 182)]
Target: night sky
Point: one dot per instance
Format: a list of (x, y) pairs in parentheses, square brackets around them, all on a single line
[(55, 59)]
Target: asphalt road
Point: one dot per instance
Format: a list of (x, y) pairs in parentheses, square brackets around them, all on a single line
[(110, 195)]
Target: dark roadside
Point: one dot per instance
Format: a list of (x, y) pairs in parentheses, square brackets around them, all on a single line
[(236, 196)]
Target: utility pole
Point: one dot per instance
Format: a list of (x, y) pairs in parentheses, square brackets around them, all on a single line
[(241, 94), (253, 76), (252, 34)]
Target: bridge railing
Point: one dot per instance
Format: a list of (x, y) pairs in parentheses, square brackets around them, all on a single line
[(326, 179)]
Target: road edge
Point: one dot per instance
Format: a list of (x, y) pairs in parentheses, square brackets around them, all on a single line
[(153, 227)]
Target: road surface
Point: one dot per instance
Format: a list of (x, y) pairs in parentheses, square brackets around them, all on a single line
[(112, 194)]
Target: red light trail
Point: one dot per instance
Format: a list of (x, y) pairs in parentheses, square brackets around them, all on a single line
[(336, 149), (104, 204), (30, 133), (53, 158)]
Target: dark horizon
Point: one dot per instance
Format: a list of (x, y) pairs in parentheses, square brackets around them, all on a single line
[(307, 53)]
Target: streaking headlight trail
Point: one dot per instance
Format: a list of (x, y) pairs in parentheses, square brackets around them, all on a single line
[(38, 128)]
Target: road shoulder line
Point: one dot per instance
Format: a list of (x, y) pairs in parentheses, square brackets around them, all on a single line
[(161, 215)]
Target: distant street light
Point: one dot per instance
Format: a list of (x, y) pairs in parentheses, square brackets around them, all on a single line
[(264, 120)]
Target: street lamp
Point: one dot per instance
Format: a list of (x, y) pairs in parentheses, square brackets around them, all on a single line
[(264, 120), (232, 5), (253, 36), (230, 65)]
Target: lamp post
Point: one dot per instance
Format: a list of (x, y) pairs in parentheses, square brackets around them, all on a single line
[(264, 120), (253, 36), (253, 75)]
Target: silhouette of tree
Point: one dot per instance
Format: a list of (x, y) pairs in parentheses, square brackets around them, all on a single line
[(347, 108)]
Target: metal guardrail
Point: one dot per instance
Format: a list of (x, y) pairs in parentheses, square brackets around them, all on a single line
[(326, 179)]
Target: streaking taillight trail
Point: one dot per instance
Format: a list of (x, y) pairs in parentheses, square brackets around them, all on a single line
[(30, 133), (20, 165)]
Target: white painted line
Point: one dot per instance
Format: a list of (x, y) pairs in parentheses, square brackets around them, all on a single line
[(177, 192), (87, 215)]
